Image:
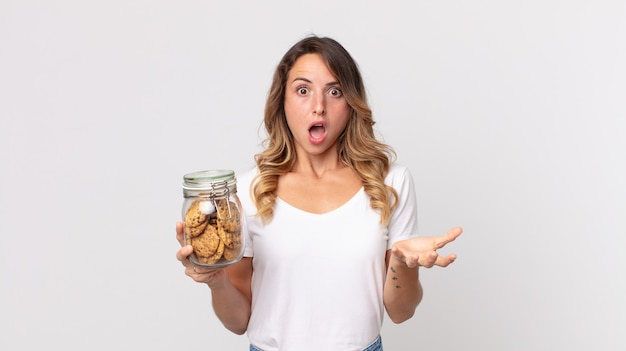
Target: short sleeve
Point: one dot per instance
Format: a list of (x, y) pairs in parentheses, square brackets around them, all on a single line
[(403, 223)]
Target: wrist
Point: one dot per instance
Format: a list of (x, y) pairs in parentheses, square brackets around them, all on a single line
[(216, 279)]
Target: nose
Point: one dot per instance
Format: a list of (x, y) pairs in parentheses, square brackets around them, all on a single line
[(319, 107)]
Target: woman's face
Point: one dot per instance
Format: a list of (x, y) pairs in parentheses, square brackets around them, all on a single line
[(316, 110)]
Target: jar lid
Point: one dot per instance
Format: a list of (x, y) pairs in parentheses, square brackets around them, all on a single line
[(209, 179)]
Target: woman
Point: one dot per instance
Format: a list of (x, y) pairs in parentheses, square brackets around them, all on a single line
[(331, 218)]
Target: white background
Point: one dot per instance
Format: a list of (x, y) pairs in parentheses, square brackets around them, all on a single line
[(510, 115)]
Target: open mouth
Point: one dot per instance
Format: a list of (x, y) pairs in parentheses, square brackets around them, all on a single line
[(317, 131)]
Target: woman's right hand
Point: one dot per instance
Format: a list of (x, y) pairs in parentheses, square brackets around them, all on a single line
[(213, 277), (231, 293)]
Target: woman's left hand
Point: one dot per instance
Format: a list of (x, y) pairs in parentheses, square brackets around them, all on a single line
[(422, 251)]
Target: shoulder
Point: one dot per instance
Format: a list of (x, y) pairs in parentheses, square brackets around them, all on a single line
[(244, 185), (245, 177), (397, 174)]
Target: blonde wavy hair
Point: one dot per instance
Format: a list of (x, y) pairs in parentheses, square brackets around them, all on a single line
[(358, 146)]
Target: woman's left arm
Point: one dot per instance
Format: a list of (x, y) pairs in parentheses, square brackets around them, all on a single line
[(402, 291)]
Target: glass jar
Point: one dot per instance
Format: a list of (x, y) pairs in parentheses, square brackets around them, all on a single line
[(213, 219)]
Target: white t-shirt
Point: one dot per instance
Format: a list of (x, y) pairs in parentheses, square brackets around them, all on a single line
[(318, 279)]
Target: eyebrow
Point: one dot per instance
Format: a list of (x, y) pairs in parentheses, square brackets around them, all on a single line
[(309, 81)]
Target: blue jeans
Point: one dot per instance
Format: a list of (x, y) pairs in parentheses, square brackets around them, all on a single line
[(377, 345)]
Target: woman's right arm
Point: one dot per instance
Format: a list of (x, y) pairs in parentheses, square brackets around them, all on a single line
[(230, 287)]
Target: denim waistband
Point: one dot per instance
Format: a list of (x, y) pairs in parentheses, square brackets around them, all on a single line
[(377, 345)]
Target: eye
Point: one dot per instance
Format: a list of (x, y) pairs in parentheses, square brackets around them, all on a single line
[(303, 90), (336, 92)]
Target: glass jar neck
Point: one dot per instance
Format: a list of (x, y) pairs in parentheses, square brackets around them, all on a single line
[(211, 183)]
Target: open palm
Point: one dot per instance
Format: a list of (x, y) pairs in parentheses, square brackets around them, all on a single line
[(422, 251)]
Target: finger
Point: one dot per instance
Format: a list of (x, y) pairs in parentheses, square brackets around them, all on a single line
[(194, 272), (428, 260), (412, 261), (450, 236), (179, 232), (183, 253), (190, 270), (444, 261), (201, 270)]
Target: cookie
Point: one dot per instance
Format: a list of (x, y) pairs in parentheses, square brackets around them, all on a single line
[(231, 225), (197, 230), (194, 216), (224, 236), (207, 243), (215, 257), (232, 242), (227, 210), (228, 216), (213, 228), (231, 253)]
